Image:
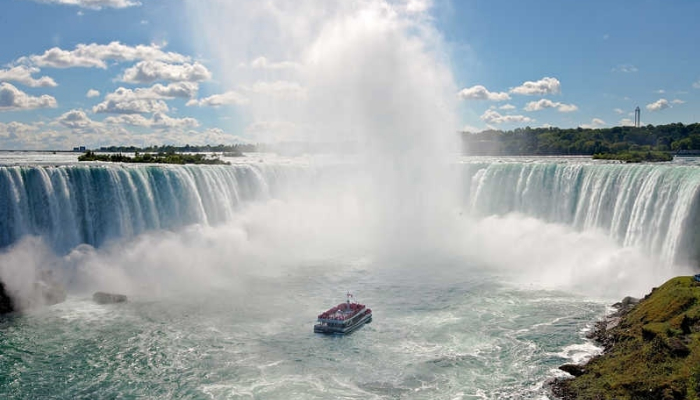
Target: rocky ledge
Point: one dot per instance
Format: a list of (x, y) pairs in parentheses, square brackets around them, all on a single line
[(651, 349)]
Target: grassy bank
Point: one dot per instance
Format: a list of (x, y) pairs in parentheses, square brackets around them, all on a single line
[(653, 353)]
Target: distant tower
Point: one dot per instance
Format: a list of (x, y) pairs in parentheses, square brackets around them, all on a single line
[(637, 117)]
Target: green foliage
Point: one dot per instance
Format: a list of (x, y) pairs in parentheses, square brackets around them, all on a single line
[(656, 350), (630, 156), (148, 158), (237, 149), (556, 141)]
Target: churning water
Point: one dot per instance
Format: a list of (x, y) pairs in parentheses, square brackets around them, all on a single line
[(227, 267)]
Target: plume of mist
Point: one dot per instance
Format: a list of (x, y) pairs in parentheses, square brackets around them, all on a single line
[(374, 74)]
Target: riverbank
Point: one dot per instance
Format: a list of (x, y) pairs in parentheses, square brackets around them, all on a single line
[(651, 350)]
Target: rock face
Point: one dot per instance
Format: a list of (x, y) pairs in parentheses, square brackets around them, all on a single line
[(6, 304), (45, 291), (108, 298), (651, 349)]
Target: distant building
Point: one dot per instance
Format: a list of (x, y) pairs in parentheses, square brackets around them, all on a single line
[(637, 117), (80, 149)]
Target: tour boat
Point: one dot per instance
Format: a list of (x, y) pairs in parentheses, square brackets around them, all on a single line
[(343, 318)]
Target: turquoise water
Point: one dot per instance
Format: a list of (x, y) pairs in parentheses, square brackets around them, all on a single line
[(453, 332), (226, 268)]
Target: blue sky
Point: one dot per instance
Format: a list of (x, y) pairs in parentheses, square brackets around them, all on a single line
[(101, 72)]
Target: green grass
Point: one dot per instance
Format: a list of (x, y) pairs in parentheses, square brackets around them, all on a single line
[(656, 354), (632, 156)]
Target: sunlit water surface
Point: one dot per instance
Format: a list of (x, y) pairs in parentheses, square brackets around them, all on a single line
[(455, 332)]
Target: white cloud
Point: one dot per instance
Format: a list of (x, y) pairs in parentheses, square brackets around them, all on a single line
[(507, 107), (15, 130), (660, 91), (418, 6), (479, 92), (12, 98), (94, 55), (595, 123), (158, 120), (493, 117), (151, 71), (626, 122), (678, 101), (619, 111), (626, 68), (77, 119), (94, 4), (696, 85), (92, 93), (23, 74), (145, 100), (216, 100), (658, 105), (129, 105), (264, 63), (546, 103), (544, 86)]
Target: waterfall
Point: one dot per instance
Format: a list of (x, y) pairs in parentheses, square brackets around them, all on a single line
[(73, 204), (652, 206)]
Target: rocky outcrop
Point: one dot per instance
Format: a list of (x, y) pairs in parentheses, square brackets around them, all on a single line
[(6, 304), (650, 349), (45, 291), (108, 298)]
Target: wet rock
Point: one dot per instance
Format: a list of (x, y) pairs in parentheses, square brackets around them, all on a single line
[(6, 304), (108, 298), (573, 369)]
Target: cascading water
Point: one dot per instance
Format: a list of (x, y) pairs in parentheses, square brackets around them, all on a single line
[(71, 205), (648, 206)]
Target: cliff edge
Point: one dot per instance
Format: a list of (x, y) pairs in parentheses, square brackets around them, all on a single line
[(651, 350)]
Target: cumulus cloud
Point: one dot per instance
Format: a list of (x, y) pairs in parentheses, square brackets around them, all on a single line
[(145, 100), (677, 101), (264, 63), (228, 98), (77, 119), (626, 68), (658, 105), (544, 86), (12, 98), (151, 71), (94, 55), (595, 123), (23, 74), (158, 120), (696, 85), (479, 92), (493, 117), (507, 107), (15, 130), (626, 122), (546, 103), (619, 111), (94, 4), (92, 93)]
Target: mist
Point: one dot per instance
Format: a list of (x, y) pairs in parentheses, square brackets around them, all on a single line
[(373, 73)]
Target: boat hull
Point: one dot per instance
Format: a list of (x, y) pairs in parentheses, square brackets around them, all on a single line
[(343, 330)]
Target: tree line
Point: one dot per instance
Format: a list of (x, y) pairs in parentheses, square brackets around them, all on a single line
[(677, 138)]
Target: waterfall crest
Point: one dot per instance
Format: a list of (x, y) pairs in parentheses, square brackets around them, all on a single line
[(651, 206), (74, 204)]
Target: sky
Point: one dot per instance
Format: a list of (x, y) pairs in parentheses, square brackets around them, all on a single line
[(142, 72)]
